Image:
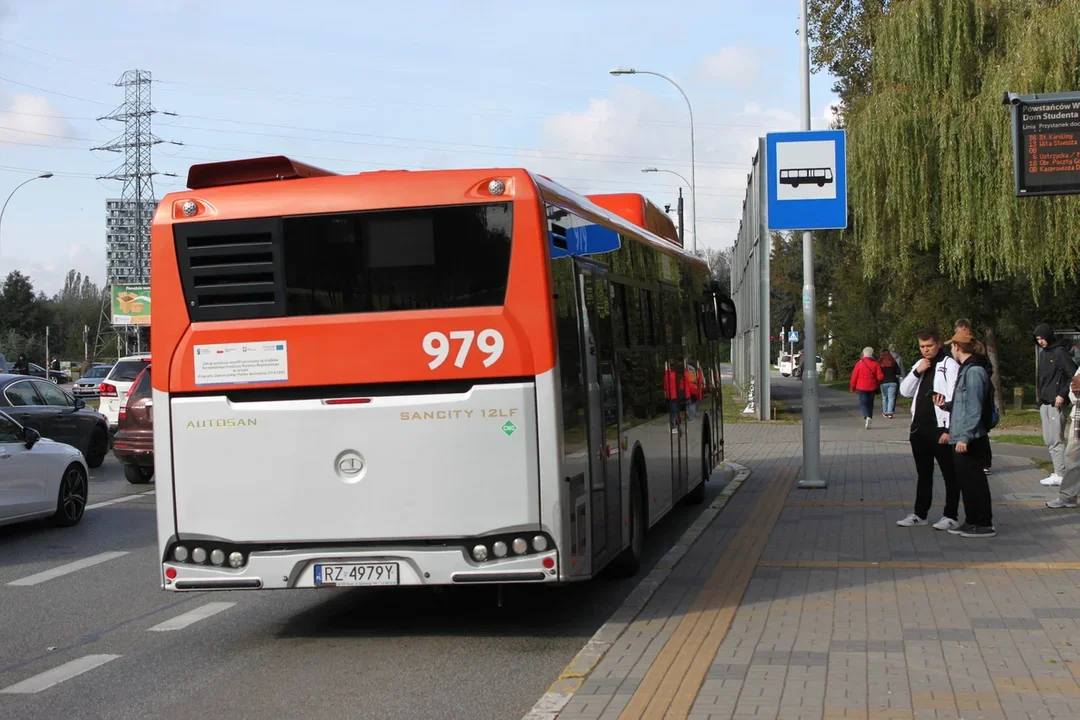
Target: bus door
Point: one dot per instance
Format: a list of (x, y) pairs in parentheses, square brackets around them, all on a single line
[(676, 362), (605, 478)]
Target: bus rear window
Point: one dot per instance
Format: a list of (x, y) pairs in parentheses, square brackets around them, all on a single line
[(426, 258)]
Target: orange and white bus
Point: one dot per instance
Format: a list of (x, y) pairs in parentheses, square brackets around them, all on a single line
[(420, 378)]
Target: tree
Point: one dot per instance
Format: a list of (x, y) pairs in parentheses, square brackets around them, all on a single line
[(930, 155), (842, 33)]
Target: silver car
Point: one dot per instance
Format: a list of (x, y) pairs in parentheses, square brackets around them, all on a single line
[(39, 477), (89, 385)]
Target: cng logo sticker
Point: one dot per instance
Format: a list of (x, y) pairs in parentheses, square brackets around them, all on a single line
[(509, 428)]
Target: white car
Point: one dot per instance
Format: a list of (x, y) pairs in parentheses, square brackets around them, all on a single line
[(39, 477), (786, 365), (114, 388)]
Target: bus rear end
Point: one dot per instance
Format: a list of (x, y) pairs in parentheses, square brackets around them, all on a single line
[(346, 378)]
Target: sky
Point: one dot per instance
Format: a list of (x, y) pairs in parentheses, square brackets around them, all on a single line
[(355, 85)]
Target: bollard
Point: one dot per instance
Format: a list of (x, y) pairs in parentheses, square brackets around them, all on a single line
[(1018, 398)]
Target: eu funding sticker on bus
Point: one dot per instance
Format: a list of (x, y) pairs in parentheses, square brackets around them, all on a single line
[(807, 180), (241, 363)]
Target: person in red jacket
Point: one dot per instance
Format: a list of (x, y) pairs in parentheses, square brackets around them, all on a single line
[(693, 392), (866, 378), (672, 385)]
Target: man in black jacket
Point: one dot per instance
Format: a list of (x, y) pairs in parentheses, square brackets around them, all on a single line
[(1056, 368)]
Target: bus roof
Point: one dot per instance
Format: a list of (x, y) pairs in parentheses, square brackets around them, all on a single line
[(639, 210), (226, 187)]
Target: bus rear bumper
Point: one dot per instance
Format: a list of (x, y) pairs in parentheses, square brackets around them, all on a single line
[(291, 569)]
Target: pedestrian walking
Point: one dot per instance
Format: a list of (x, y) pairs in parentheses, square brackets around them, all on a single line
[(899, 360), (890, 383), (934, 374), (981, 359), (1056, 369), (866, 378), (1070, 485), (21, 366), (969, 421)]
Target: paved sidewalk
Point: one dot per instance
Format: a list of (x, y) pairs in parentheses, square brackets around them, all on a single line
[(803, 604)]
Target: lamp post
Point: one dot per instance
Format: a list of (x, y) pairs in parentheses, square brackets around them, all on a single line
[(42, 176), (672, 172), (693, 175)]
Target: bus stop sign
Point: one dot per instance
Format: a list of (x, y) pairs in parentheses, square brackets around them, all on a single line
[(807, 180)]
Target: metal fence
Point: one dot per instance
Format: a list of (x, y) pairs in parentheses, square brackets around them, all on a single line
[(750, 348)]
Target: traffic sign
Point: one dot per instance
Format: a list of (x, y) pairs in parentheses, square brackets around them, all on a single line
[(793, 336), (807, 180)]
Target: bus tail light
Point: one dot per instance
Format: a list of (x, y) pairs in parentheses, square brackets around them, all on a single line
[(548, 562), (107, 390), (480, 553)]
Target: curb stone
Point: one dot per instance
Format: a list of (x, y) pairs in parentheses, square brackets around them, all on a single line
[(570, 680)]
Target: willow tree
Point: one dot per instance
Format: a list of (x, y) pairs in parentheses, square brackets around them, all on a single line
[(930, 147)]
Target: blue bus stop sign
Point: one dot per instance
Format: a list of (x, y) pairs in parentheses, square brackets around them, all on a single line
[(807, 174)]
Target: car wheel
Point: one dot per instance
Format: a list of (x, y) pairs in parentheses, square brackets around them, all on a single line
[(628, 561), (138, 475), (71, 500), (98, 448)]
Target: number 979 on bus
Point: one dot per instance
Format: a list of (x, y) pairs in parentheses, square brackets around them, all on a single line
[(461, 344)]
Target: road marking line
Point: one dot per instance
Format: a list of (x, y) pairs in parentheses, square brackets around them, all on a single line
[(573, 676), (114, 501), (675, 676), (69, 568), (200, 613), (919, 565), (58, 675), (895, 503)]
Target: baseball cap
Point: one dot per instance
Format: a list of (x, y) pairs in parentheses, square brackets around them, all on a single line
[(962, 336)]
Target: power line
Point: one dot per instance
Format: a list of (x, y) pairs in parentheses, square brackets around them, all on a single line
[(52, 92), (54, 57)]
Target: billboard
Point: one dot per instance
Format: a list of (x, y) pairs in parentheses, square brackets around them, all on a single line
[(131, 304)]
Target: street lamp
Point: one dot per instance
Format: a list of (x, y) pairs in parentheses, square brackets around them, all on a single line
[(42, 176), (693, 175)]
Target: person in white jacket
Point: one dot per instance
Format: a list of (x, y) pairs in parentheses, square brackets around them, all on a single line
[(930, 430), (1070, 484)]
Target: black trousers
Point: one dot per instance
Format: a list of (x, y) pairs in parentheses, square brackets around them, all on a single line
[(974, 486), (925, 448)]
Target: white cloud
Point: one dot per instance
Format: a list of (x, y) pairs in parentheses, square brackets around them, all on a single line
[(33, 119), (734, 67), (604, 147)]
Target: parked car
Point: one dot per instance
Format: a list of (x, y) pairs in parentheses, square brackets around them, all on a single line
[(58, 416), (39, 477), (89, 385), (114, 387), (57, 376), (133, 444), (787, 365)]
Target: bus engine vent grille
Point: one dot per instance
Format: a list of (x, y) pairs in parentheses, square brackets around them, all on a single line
[(231, 270)]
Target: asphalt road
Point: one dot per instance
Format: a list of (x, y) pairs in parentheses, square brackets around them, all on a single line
[(85, 632)]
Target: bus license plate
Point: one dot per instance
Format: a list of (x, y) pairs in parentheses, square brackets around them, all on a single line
[(350, 574)]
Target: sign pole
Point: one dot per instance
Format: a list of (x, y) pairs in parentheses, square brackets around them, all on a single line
[(48, 364), (810, 425)]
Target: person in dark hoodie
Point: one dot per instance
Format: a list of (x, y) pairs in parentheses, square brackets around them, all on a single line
[(981, 359), (1056, 368)]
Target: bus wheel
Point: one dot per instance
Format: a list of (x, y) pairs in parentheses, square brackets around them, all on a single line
[(628, 561)]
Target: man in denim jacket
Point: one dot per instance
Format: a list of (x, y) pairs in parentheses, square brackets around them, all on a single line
[(969, 437)]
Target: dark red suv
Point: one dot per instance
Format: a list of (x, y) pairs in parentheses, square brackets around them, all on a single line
[(133, 444)]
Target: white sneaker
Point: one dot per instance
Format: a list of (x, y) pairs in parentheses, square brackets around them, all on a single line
[(867, 424), (1052, 481), (911, 520), (946, 524)]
